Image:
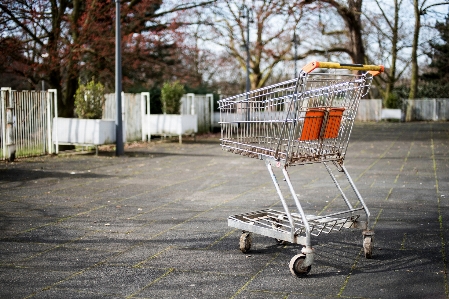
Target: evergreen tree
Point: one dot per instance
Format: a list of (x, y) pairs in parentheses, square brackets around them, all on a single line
[(440, 56), (435, 83)]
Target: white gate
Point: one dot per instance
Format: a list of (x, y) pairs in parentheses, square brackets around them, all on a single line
[(25, 123), (131, 114), (201, 105)]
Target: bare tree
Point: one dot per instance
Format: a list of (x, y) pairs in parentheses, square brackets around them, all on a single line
[(61, 40), (420, 8), (350, 11), (270, 33), (387, 32)]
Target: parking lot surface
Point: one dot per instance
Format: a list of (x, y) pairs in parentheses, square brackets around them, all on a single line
[(153, 223)]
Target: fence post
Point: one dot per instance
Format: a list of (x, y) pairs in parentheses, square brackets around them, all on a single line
[(3, 122), (191, 96), (8, 117), (52, 121), (211, 108), (49, 127), (145, 104), (435, 114)]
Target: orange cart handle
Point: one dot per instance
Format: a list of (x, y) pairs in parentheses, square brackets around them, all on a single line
[(372, 69)]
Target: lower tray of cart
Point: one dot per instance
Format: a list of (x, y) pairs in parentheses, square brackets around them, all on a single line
[(275, 224)]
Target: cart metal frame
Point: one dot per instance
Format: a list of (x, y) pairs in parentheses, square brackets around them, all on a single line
[(305, 120)]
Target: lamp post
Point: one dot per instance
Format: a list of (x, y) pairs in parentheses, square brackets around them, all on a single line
[(246, 12), (44, 55), (296, 43), (119, 149)]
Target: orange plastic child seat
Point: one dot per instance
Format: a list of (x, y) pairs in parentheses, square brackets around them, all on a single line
[(314, 120), (333, 122), (312, 124)]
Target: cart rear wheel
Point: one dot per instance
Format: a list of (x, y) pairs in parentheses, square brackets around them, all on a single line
[(296, 266), (281, 242), (275, 226), (245, 242), (368, 246)]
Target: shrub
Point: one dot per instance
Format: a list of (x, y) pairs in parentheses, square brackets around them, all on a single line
[(393, 101), (89, 100), (171, 94)]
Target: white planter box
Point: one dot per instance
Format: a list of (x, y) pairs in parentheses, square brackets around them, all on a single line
[(391, 114), (170, 125), (83, 131)]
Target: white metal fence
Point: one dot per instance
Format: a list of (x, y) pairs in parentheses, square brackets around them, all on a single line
[(426, 109), (26, 117), (369, 110), (136, 107), (411, 110), (25, 123)]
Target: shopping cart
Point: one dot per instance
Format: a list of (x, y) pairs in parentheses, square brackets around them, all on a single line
[(301, 121)]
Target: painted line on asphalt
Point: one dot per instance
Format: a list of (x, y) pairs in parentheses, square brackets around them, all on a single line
[(136, 245), (151, 283), (254, 276), (139, 264), (360, 176), (357, 259), (113, 202), (440, 219)]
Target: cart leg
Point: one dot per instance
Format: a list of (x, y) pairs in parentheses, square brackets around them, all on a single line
[(300, 210), (368, 234), (338, 186), (359, 197), (284, 204), (301, 264)]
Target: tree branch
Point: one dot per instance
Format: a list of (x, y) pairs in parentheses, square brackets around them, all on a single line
[(21, 24), (179, 7)]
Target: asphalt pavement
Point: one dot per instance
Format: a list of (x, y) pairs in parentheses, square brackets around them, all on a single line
[(153, 223)]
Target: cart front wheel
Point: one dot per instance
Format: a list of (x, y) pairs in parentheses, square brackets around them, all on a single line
[(245, 242), (296, 266), (368, 246)]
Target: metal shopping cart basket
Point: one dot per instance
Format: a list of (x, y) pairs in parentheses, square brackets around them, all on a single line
[(305, 120)]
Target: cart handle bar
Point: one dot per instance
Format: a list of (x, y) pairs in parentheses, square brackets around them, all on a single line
[(372, 69)]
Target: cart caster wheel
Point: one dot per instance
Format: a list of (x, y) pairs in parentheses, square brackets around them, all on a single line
[(275, 226), (368, 246), (295, 266), (245, 242), (281, 242)]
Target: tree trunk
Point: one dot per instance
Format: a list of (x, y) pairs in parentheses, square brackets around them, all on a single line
[(394, 53), (351, 16), (355, 30), (414, 78)]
